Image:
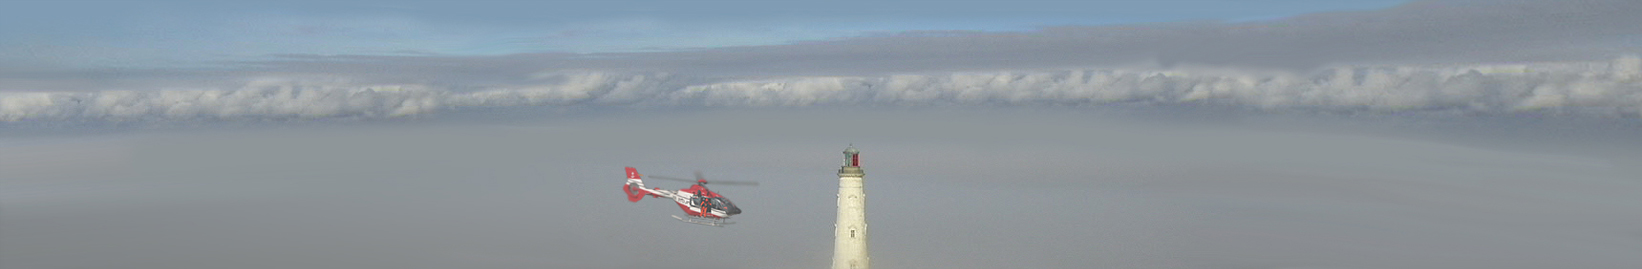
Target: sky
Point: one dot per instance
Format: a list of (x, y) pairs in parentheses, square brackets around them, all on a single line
[(103, 34), (1020, 134), (1487, 57)]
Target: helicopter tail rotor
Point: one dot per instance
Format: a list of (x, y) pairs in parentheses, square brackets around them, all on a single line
[(632, 194)]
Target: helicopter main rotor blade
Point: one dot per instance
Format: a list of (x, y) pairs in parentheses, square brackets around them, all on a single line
[(699, 179), (740, 183), (724, 182), (670, 178)]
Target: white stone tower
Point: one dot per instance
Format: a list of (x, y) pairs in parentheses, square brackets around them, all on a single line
[(850, 233)]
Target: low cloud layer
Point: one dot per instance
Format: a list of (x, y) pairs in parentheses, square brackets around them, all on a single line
[(1604, 88)]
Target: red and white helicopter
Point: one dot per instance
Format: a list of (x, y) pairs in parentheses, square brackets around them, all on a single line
[(700, 205)]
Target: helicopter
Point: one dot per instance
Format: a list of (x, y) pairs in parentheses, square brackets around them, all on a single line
[(700, 205)]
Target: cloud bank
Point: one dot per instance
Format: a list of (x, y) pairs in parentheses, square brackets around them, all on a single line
[(1603, 88)]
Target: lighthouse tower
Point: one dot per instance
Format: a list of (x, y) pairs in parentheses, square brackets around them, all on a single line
[(850, 233)]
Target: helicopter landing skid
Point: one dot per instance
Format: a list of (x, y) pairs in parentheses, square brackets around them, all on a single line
[(703, 221)]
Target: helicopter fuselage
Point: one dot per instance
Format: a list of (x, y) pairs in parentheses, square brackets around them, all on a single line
[(696, 201)]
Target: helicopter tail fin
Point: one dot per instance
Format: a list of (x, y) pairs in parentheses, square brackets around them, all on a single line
[(634, 178), (633, 173)]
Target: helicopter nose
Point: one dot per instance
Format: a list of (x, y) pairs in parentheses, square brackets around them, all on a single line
[(734, 210)]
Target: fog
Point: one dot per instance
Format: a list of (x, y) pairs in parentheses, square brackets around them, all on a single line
[(1432, 134), (957, 187)]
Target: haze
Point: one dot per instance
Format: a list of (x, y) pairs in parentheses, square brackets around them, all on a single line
[(1103, 134)]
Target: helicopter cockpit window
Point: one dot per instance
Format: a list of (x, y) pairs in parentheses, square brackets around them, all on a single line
[(721, 203)]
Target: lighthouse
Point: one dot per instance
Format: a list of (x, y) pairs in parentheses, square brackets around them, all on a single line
[(850, 233)]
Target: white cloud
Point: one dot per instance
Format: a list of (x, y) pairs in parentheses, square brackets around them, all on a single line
[(1604, 88)]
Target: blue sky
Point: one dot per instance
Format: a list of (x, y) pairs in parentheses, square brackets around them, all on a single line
[(87, 60), (119, 34)]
